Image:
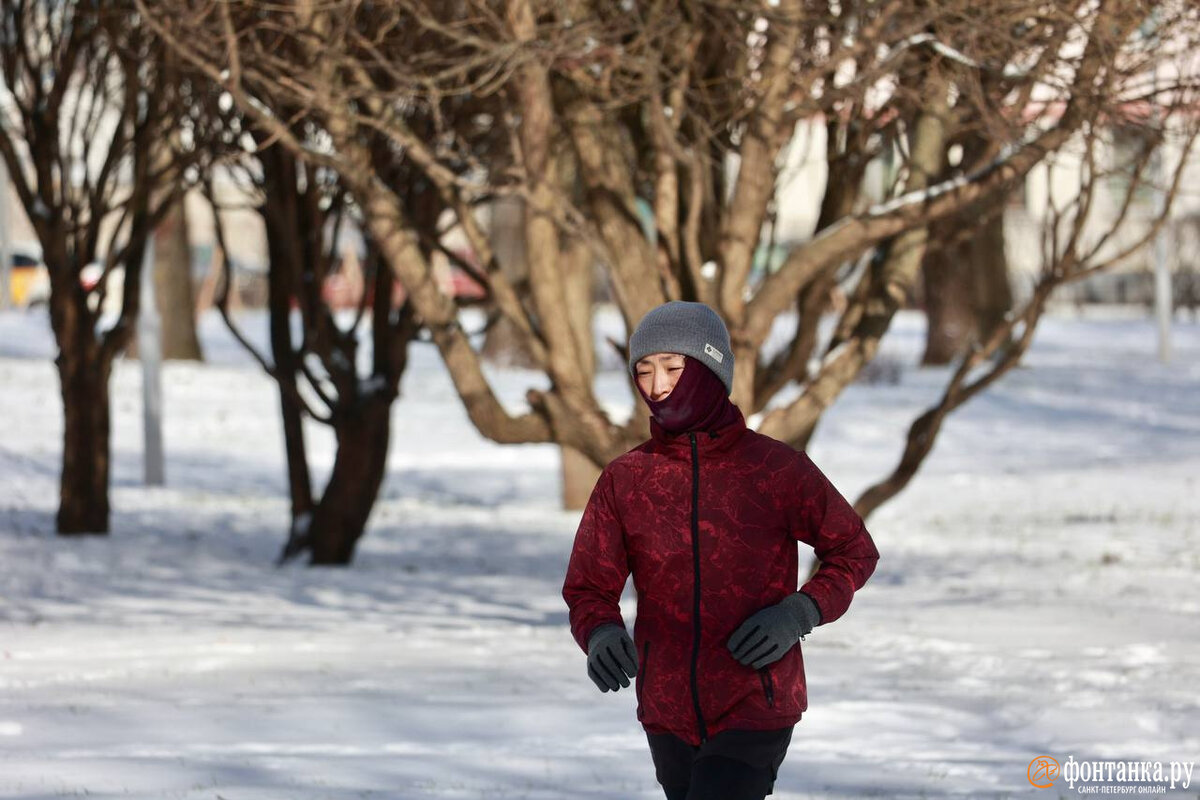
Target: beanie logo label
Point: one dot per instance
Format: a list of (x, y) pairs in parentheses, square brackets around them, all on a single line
[(713, 353)]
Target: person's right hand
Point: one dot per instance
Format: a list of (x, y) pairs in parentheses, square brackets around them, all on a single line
[(612, 658)]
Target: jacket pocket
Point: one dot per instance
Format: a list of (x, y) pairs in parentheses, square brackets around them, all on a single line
[(641, 676), (768, 684)]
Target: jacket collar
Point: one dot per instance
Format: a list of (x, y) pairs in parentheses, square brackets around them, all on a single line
[(680, 444)]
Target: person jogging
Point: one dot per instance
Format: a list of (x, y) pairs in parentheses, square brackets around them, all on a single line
[(706, 516)]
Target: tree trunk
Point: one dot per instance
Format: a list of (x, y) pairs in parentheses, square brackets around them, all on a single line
[(947, 294), (341, 515), (578, 297), (579, 476), (281, 288), (83, 500), (285, 268), (299, 481), (504, 344), (965, 288), (993, 296), (173, 289), (579, 473)]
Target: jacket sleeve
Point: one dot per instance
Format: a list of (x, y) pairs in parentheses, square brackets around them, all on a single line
[(823, 519), (598, 567)]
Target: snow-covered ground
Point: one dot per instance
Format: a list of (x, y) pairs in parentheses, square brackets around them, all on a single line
[(1037, 594)]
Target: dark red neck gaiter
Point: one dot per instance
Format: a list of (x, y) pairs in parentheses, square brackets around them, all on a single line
[(697, 403)]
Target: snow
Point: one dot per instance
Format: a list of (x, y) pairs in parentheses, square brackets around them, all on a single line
[(1037, 592)]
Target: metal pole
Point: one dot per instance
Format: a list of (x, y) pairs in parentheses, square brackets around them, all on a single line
[(149, 330), (1163, 300), (6, 251)]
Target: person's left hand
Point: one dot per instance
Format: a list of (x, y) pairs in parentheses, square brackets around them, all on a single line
[(768, 634)]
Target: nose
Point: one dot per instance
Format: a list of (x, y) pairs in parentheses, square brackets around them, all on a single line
[(662, 384)]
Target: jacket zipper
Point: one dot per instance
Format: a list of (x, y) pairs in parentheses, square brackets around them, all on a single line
[(703, 728), (768, 686)]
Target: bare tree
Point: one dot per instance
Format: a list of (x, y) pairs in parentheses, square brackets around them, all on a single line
[(320, 373), (1072, 249), (587, 108), (83, 106)]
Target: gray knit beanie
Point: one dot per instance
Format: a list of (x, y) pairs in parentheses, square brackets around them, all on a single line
[(692, 329)]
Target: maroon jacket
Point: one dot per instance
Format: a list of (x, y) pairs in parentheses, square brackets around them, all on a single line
[(707, 523)]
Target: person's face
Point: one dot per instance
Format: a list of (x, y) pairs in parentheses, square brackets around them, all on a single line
[(658, 373)]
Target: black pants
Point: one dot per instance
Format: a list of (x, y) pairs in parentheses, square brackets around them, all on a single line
[(733, 765)]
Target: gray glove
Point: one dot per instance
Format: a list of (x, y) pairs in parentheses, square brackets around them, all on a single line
[(612, 658), (769, 634)]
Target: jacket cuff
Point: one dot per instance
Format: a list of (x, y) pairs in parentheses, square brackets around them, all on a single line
[(592, 634), (820, 616)]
